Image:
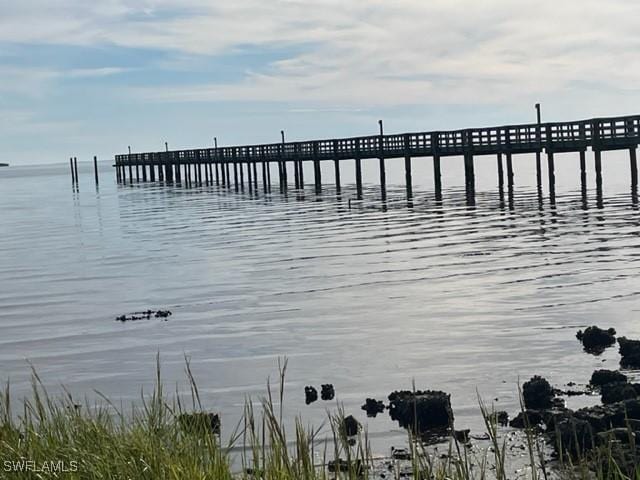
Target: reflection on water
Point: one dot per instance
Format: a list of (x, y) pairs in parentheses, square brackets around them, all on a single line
[(457, 295)]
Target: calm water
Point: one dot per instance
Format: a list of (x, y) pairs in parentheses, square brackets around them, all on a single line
[(453, 297)]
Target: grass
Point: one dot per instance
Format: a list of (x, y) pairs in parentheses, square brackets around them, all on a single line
[(101, 441)]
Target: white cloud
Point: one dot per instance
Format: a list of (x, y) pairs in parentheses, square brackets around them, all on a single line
[(360, 52)]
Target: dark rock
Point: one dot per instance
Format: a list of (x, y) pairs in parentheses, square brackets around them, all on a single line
[(400, 454), (373, 407), (350, 426), (502, 418), (338, 466), (572, 436), (530, 418), (537, 393), (617, 392), (595, 339), (421, 411), (200, 422), (327, 392), (602, 377), (462, 436), (310, 395), (630, 352), (146, 315)]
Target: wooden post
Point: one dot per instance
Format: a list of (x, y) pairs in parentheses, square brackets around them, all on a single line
[(235, 170), (469, 173), (75, 169), (95, 168), (509, 171), (255, 176), (241, 168), (152, 168), (500, 172), (538, 170), (583, 171), (73, 175), (217, 172), (296, 174), (598, 162), (144, 172), (358, 172), (634, 166), (552, 175), (336, 166), (316, 169), (137, 171), (264, 177), (130, 169), (227, 173), (383, 170), (301, 173), (407, 168)]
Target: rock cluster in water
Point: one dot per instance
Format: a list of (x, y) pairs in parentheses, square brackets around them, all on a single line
[(421, 411), (310, 395), (595, 339), (327, 392), (373, 407), (629, 352), (146, 315)]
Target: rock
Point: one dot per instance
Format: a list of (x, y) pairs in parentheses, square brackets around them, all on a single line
[(350, 426), (400, 454), (327, 392), (373, 407), (462, 436), (421, 411), (501, 418), (200, 422), (602, 377), (310, 395), (630, 352), (537, 393), (595, 339), (339, 465), (531, 418), (616, 392), (572, 436), (146, 315)]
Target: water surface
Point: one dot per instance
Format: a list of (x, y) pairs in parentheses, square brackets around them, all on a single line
[(369, 297)]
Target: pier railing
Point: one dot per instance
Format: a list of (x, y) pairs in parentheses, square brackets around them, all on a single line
[(600, 134)]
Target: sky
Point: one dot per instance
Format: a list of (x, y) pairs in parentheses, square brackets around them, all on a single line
[(82, 78)]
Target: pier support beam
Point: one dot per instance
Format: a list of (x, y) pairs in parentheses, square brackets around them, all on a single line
[(383, 178), (598, 164), (408, 180), (152, 169), (633, 160), (217, 173), (130, 172), (538, 170), (551, 168), (500, 172), (264, 177), (144, 172), (437, 177), (358, 179), (583, 171), (336, 166), (241, 168), (509, 171), (469, 172), (235, 173)]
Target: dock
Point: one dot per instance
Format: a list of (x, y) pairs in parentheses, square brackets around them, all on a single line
[(250, 165)]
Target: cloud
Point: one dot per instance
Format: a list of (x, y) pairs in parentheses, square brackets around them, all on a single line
[(358, 52)]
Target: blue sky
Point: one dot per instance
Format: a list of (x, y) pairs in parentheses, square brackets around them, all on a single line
[(80, 79)]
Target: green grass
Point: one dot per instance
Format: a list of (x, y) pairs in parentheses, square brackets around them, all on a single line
[(101, 441)]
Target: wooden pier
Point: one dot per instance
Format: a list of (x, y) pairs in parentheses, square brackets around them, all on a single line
[(237, 166)]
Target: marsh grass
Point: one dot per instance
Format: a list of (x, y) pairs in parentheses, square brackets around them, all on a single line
[(103, 441)]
